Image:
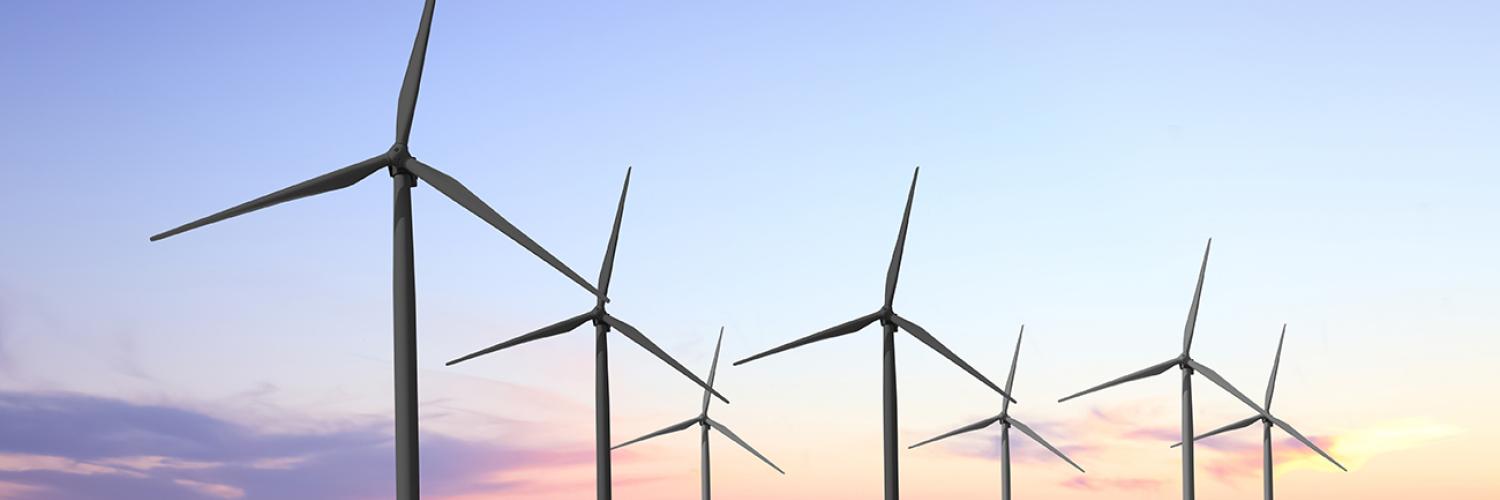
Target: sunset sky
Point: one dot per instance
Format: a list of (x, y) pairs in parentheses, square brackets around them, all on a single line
[(1075, 156)]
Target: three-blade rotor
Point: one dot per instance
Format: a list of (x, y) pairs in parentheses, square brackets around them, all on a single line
[(886, 314), (599, 315), (1004, 417), (703, 419), (399, 160), (1184, 360)]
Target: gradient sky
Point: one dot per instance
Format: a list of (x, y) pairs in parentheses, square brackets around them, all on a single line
[(1075, 157)]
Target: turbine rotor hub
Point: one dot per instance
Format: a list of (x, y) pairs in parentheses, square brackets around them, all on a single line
[(396, 157)]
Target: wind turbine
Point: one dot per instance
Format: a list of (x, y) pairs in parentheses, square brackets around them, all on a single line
[(1268, 421), (704, 424), (405, 170), (1188, 366), (603, 322), (1006, 422), (890, 321)]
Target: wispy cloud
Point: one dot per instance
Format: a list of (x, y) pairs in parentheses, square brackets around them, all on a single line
[(146, 463), (1094, 483), (68, 446), (985, 443), (24, 462), (211, 489), (1240, 457)]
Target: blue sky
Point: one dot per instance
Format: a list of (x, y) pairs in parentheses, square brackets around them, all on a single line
[(1075, 157)]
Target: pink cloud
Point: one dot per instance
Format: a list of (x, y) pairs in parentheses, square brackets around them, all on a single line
[(1087, 483), (211, 489)]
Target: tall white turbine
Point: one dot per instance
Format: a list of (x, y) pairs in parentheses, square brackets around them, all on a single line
[(1188, 366), (405, 170), (890, 321), (603, 323), (705, 423), (1268, 421), (1006, 422)]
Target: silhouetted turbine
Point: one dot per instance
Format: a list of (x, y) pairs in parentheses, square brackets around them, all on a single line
[(1006, 422), (1187, 365), (890, 321), (603, 322), (404, 170), (1268, 421), (704, 424)]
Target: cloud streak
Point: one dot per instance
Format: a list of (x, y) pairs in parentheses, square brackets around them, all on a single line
[(69, 446), (1241, 458)]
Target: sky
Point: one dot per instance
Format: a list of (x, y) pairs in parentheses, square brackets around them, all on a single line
[(1075, 157)]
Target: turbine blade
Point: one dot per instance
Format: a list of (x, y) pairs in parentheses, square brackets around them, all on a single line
[(465, 198), (1192, 320), (668, 430), (607, 269), (713, 369), (335, 180), (1014, 360), (967, 428), (1224, 384), (636, 336), (839, 330), (1276, 366), (1149, 371), (732, 437), (557, 328), (1236, 425), (931, 341), (1289, 430), (1033, 435), (894, 271), (407, 105)]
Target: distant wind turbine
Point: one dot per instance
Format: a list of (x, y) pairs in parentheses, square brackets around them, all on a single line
[(1006, 422), (704, 424), (1188, 366), (890, 321), (1268, 421), (603, 322), (405, 170)]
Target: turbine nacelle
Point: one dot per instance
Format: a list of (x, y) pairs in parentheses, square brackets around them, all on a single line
[(396, 158)]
